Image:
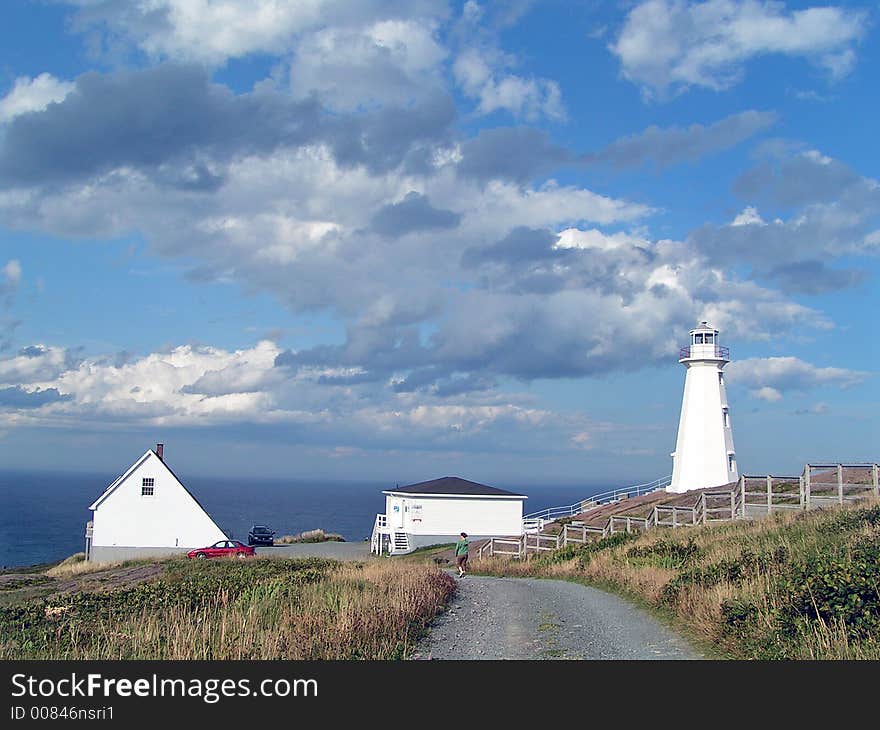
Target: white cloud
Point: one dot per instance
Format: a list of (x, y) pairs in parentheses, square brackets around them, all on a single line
[(503, 289), (203, 387), (390, 61), (482, 76), (213, 31), (771, 395), (11, 273), (769, 378), (596, 239), (31, 95), (749, 217), (673, 44), (35, 364), (295, 224), (831, 212)]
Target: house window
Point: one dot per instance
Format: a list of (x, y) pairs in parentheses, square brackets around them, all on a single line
[(147, 484)]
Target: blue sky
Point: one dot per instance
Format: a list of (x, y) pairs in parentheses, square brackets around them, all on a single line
[(394, 240)]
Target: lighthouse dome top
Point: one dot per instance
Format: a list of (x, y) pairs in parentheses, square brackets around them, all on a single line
[(704, 344), (704, 326)]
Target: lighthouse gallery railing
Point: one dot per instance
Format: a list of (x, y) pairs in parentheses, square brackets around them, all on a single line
[(720, 352)]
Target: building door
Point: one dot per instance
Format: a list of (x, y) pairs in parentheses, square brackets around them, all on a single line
[(400, 515)]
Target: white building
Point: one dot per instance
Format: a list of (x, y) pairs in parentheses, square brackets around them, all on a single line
[(147, 512), (437, 511), (704, 455)]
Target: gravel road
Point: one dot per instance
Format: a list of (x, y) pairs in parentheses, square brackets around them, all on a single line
[(530, 618)]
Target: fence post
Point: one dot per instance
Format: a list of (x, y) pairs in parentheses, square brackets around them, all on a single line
[(628, 525), (807, 486), (584, 528), (732, 504), (840, 483), (875, 474), (656, 517), (705, 515), (742, 488), (769, 494), (801, 490), (674, 519)]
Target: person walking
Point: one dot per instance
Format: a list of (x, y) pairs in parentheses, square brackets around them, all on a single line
[(461, 554)]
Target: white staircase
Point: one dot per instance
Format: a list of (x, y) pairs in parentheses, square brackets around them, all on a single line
[(385, 539), (401, 543)]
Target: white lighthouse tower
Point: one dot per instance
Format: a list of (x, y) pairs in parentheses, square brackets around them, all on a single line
[(704, 455)]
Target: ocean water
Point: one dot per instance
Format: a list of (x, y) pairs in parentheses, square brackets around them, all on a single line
[(43, 514)]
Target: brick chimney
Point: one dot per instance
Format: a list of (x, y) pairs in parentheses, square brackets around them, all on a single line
[(160, 451)]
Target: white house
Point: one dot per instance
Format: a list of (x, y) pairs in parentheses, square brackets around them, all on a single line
[(704, 455), (147, 512), (437, 511)]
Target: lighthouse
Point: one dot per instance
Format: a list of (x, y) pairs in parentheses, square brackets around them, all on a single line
[(704, 455)]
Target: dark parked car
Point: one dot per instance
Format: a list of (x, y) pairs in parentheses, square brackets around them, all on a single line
[(222, 549), (261, 535)]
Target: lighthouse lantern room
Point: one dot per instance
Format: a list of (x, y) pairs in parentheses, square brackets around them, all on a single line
[(704, 454)]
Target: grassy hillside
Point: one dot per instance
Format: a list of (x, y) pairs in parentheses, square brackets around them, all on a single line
[(223, 609), (803, 586)]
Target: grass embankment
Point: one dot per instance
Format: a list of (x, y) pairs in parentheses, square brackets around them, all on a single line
[(799, 586), (235, 609)]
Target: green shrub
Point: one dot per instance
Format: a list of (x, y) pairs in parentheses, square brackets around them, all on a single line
[(737, 614), (735, 570), (851, 520), (842, 587), (583, 552)]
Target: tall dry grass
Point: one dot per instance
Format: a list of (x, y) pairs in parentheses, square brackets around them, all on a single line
[(325, 610), (76, 565), (732, 585)]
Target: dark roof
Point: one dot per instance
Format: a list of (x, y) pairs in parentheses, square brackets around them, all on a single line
[(453, 485)]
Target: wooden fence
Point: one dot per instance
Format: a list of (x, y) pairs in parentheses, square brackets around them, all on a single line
[(819, 485)]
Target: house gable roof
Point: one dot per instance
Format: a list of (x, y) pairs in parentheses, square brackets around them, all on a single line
[(453, 486), (114, 485)]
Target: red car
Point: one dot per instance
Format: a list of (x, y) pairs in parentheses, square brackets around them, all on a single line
[(221, 549)]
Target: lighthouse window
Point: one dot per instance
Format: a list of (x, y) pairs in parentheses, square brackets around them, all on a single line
[(726, 415), (698, 339), (720, 378), (710, 339), (731, 462)]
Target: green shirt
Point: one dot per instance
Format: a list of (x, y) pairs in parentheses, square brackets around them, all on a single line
[(461, 548)]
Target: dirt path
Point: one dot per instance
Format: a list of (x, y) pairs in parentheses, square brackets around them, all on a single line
[(530, 618)]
